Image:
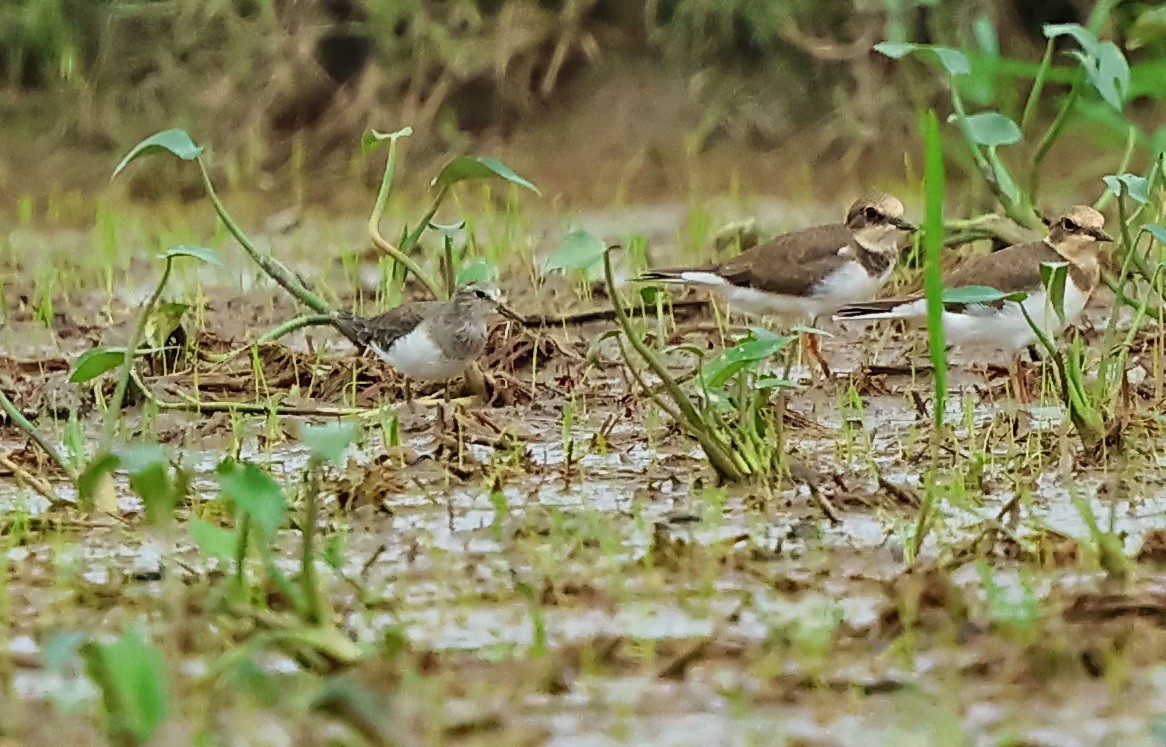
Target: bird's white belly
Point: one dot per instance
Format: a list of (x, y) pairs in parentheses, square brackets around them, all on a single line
[(850, 283), (1008, 329), (418, 357)]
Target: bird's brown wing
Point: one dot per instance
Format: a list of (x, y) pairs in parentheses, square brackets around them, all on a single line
[(385, 329), (790, 264)]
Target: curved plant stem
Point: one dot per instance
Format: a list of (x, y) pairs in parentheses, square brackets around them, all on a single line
[(283, 330), (36, 435), (1131, 141), (1038, 85), (1056, 129), (113, 411), (374, 222), (275, 269)]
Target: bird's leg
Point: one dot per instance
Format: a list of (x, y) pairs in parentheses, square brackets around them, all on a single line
[(810, 345), (1019, 385), (409, 397)]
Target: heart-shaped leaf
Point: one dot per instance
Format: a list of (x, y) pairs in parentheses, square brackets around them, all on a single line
[(579, 250), (177, 142), (372, 139), (1158, 232), (970, 295), (991, 128), (1084, 36), (330, 442), (201, 253), (1136, 187), (478, 167), (94, 362)]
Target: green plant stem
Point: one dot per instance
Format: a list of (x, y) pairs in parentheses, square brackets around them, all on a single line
[(310, 586), (287, 328), (113, 410), (244, 538), (36, 435), (398, 255), (450, 275), (1052, 134), (933, 248), (1038, 85), (284, 277), (1131, 141)]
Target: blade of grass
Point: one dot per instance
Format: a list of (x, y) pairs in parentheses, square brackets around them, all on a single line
[(932, 248)]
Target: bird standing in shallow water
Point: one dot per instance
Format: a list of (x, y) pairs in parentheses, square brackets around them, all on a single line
[(428, 340), (802, 275)]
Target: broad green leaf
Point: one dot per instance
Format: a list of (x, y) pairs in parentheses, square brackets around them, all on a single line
[(372, 139), (149, 474), (1084, 36), (1136, 187), (94, 362), (952, 60), (978, 294), (761, 345), (135, 458), (176, 142), (1053, 276), (131, 675), (1158, 232), (214, 541), (330, 442), (579, 250), (478, 167), (477, 270), (992, 128), (201, 253), (255, 493)]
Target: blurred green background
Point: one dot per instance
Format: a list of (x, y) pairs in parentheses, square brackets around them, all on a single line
[(595, 100)]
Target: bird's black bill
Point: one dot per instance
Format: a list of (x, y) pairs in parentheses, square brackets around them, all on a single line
[(1102, 235), (509, 313), (903, 225)]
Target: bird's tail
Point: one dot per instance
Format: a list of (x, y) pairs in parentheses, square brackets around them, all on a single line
[(687, 276), (352, 327), (890, 309)]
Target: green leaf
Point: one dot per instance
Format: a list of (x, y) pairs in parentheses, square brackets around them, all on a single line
[(1136, 187), (1084, 36), (94, 362), (952, 60), (761, 345), (136, 458), (371, 139), (255, 493), (985, 34), (478, 167), (991, 128), (1108, 72), (201, 253), (1053, 276), (477, 270), (579, 250), (59, 651), (150, 478), (978, 294), (330, 442), (1150, 27), (176, 142), (90, 479), (131, 675), (213, 540), (1158, 232)]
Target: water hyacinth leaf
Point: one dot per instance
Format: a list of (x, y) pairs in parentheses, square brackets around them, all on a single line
[(1158, 232), (254, 493), (176, 142), (991, 128), (1053, 276), (94, 362), (1136, 187), (477, 270), (371, 139), (330, 442), (201, 253), (477, 167), (214, 541), (132, 678), (952, 60), (968, 295), (579, 250), (761, 344)]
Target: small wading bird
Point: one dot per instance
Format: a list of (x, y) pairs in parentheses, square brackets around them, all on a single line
[(803, 275), (428, 340), (1074, 238)]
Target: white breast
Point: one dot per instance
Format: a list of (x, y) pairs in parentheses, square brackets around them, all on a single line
[(1007, 329), (850, 283), (418, 357)]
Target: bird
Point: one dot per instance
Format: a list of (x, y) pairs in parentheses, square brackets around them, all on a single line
[(1075, 237), (428, 340), (805, 274)]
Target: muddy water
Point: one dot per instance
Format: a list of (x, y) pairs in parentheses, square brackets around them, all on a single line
[(593, 596)]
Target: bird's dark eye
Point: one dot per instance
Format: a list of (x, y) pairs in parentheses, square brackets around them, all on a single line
[(481, 293), (872, 214), (1069, 224)]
